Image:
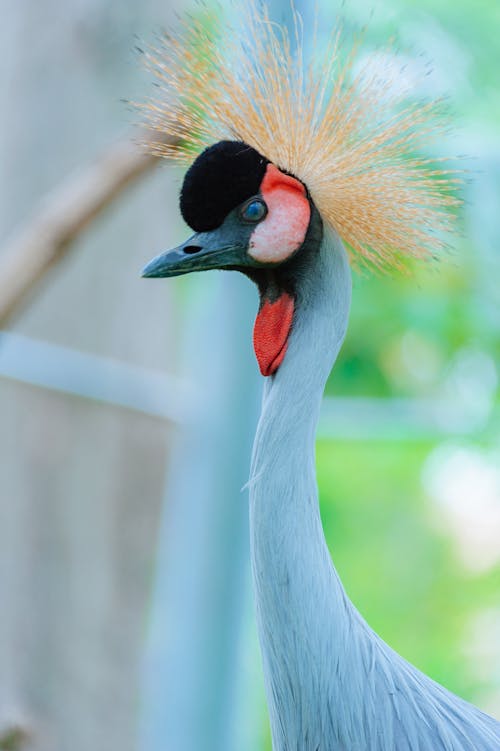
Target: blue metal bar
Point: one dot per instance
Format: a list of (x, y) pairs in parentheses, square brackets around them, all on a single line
[(101, 379)]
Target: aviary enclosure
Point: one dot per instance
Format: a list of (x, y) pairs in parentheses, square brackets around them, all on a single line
[(128, 407)]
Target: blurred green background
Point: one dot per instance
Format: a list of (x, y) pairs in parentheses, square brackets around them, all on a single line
[(126, 615), (412, 511)]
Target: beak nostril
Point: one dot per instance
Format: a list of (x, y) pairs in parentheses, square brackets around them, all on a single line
[(190, 249)]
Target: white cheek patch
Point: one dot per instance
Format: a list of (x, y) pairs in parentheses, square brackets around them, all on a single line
[(284, 229)]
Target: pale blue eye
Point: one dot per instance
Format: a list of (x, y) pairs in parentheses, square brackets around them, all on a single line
[(254, 211)]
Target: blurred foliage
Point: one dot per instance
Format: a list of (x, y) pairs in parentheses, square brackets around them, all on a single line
[(435, 304), (469, 29), (398, 570)]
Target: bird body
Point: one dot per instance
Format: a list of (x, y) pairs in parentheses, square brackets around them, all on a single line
[(266, 202)]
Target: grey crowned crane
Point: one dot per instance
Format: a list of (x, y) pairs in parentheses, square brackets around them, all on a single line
[(290, 158)]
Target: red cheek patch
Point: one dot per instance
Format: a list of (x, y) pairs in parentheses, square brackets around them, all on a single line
[(271, 331), (284, 229)]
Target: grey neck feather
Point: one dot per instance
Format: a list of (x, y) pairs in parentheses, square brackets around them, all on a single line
[(331, 683)]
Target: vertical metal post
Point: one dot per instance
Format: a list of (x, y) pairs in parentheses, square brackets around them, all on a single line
[(202, 583)]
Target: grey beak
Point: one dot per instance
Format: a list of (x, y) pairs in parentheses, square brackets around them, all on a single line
[(201, 252)]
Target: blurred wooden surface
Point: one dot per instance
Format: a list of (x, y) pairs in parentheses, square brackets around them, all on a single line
[(81, 483), (81, 492)]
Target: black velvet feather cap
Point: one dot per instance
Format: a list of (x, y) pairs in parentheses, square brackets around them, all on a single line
[(220, 178)]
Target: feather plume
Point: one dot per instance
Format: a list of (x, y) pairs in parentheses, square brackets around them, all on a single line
[(344, 128)]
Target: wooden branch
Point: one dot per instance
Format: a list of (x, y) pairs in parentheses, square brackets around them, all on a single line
[(61, 218)]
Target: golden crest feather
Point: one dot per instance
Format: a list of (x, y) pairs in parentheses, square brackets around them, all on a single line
[(343, 128)]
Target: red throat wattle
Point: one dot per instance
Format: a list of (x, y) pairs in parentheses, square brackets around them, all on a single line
[(271, 331)]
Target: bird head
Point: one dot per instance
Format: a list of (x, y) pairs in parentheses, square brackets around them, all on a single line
[(324, 143), (252, 217)]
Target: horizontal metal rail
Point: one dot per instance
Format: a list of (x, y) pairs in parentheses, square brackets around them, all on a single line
[(99, 379), (164, 396)]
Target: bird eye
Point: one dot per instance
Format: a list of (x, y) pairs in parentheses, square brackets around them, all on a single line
[(254, 211)]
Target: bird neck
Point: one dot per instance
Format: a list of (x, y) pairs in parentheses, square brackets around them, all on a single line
[(296, 587), (292, 397)]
